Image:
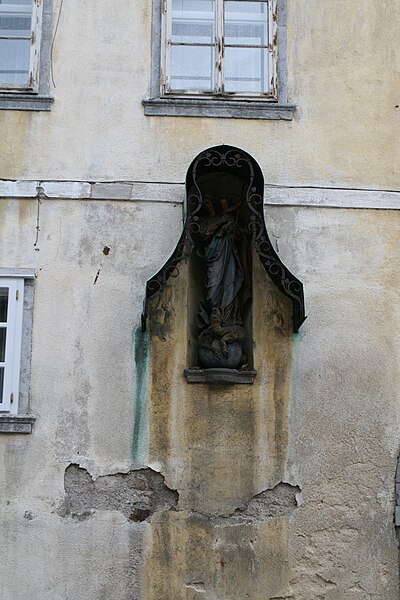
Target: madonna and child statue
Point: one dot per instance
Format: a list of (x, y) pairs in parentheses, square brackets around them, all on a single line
[(224, 227), (222, 247)]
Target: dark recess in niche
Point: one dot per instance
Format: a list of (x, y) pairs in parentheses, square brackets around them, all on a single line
[(224, 187), (220, 277)]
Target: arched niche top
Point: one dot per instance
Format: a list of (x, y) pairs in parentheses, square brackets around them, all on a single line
[(235, 163)]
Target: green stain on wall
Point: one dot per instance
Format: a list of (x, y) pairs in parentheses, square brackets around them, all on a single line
[(294, 394), (141, 356)]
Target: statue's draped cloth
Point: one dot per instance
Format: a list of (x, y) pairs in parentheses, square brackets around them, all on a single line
[(224, 277)]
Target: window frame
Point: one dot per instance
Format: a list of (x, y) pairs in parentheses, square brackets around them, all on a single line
[(12, 360), (219, 49), (14, 413), (32, 83), (212, 105), (36, 95)]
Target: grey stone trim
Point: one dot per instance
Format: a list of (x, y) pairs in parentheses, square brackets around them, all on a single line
[(145, 191), (114, 191), (280, 195), (18, 189), (25, 273), (25, 102), (42, 100), (135, 191), (155, 49), (26, 348), (45, 48), (282, 51), (64, 189), (217, 108), (16, 423)]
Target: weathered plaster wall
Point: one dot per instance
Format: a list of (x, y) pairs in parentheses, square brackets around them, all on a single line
[(342, 74), (284, 489), (325, 436), (81, 394)]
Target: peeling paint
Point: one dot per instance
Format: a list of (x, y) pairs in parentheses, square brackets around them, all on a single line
[(138, 494)]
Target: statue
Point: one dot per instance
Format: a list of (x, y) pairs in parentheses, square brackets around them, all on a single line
[(224, 228), (219, 315)]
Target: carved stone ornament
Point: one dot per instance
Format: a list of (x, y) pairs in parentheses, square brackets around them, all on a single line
[(225, 216)]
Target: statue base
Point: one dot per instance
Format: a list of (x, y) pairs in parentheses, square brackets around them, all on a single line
[(219, 376), (213, 358)]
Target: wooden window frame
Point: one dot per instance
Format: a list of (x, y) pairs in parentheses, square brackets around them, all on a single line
[(219, 48), (32, 84), (12, 362), (216, 105)]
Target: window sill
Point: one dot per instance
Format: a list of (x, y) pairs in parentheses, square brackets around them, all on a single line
[(226, 109), (16, 423), (12, 101)]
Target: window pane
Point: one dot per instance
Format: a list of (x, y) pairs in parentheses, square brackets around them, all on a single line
[(3, 304), (14, 61), (15, 18), (1, 383), (246, 70), (192, 68), (246, 23), (193, 21), (3, 333)]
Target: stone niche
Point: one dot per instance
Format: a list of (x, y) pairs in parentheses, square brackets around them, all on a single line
[(224, 228)]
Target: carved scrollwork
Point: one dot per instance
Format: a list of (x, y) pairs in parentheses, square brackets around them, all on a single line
[(227, 157)]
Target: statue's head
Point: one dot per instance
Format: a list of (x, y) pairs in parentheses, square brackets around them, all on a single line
[(209, 205), (228, 204)]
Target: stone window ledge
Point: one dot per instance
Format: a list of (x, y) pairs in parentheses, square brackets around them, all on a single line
[(25, 101), (16, 423), (228, 109)]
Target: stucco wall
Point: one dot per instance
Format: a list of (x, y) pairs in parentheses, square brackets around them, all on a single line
[(342, 74), (335, 432), (284, 489)]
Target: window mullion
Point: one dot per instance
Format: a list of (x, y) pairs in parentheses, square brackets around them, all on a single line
[(219, 46), (166, 45)]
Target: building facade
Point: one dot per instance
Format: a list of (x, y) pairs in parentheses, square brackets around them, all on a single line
[(119, 478)]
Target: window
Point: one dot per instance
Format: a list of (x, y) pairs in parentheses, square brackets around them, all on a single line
[(24, 54), (16, 302), (11, 304), (20, 22), (220, 47), (219, 58)]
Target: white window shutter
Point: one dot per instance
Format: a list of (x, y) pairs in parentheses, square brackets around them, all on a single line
[(9, 400)]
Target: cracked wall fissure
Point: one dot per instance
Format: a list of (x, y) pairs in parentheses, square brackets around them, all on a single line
[(140, 493)]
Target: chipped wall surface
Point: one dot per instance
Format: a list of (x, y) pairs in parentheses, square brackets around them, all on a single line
[(283, 489), (134, 484)]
